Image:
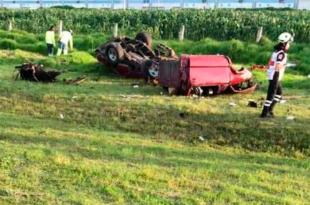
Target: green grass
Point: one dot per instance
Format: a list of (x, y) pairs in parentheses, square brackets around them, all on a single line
[(117, 144), (239, 51)]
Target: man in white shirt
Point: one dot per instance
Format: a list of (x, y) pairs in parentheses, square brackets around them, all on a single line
[(65, 40)]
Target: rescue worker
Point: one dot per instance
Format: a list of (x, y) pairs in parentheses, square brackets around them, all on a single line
[(50, 40), (65, 40), (275, 73)]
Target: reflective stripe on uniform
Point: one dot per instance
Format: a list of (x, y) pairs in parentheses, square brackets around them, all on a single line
[(267, 103), (277, 98)]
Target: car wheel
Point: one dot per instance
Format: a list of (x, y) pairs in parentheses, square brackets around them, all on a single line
[(145, 38), (114, 53)]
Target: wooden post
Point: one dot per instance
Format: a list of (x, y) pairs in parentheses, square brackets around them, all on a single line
[(126, 4), (182, 3), (259, 34), (296, 4), (115, 30), (181, 33), (216, 4), (60, 27), (10, 27)]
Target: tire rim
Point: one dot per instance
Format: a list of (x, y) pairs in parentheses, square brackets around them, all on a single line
[(153, 72), (112, 54)]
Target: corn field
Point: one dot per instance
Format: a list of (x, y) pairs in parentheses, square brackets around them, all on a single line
[(219, 23)]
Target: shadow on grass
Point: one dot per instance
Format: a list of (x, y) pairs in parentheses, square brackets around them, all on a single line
[(158, 154), (245, 130)]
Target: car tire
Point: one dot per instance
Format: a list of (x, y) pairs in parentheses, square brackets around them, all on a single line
[(145, 38), (114, 53)]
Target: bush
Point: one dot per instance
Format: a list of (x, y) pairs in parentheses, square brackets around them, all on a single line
[(8, 44)]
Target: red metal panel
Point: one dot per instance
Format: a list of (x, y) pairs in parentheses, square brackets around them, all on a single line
[(209, 70), (208, 76), (209, 61)]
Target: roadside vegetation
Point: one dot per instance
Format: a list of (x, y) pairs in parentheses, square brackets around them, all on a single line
[(219, 24), (108, 142)]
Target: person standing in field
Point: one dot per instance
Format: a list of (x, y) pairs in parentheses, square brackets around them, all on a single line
[(275, 72), (65, 41), (50, 40)]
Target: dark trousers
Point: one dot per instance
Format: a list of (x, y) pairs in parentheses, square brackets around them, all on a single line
[(50, 49), (274, 95)]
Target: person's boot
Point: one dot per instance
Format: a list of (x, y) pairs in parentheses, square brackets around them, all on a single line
[(265, 112), (66, 51), (271, 113)]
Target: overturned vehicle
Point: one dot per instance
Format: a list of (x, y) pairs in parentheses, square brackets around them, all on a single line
[(134, 57), (185, 75)]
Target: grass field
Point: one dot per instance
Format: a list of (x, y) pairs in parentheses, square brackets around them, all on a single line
[(106, 142)]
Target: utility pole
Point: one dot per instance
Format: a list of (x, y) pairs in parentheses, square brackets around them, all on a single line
[(126, 4), (254, 4), (216, 4), (296, 4)]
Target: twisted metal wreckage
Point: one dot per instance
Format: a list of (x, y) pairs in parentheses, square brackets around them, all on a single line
[(185, 75), (36, 73)]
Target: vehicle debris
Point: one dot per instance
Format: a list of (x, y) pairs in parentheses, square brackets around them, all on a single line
[(76, 81), (290, 117), (36, 73), (232, 104), (259, 67), (252, 103), (201, 138)]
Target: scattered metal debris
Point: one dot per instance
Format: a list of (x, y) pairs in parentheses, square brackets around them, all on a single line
[(182, 114), (35, 73), (76, 81), (259, 67), (290, 117), (252, 103), (201, 138), (232, 104)]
